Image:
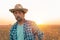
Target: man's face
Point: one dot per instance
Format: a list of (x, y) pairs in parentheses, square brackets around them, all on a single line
[(19, 15)]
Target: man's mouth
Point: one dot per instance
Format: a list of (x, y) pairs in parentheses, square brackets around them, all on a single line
[(18, 18)]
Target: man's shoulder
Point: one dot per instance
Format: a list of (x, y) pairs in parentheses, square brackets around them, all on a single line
[(14, 25), (31, 22)]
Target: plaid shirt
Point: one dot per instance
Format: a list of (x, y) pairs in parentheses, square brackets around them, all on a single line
[(30, 31)]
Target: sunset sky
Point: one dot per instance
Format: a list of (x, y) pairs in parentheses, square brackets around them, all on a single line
[(40, 11)]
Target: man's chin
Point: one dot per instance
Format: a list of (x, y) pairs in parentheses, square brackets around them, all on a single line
[(19, 20)]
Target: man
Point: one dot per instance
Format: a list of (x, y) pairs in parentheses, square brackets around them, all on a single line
[(23, 29)]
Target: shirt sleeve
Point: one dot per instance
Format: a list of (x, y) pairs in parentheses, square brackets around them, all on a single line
[(11, 34), (37, 33)]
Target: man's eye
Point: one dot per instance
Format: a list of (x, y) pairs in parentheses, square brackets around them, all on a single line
[(15, 13)]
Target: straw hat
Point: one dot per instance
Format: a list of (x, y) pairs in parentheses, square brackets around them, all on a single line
[(18, 7)]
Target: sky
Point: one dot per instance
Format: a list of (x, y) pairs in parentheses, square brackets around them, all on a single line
[(40, 11)]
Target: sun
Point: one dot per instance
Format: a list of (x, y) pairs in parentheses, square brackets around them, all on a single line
[(39, 21)]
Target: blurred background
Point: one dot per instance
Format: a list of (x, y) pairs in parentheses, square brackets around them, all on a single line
[(46, 14)]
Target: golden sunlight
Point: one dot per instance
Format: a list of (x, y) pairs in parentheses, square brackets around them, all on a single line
[(39, 11), (39, 21)]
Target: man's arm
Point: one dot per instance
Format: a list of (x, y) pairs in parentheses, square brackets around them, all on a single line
[(37, 33), (11, 35)]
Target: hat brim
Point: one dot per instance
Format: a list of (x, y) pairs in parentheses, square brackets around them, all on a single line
[(23, 9)]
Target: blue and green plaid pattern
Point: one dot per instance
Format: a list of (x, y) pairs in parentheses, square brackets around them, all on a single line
[(30, 31)]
